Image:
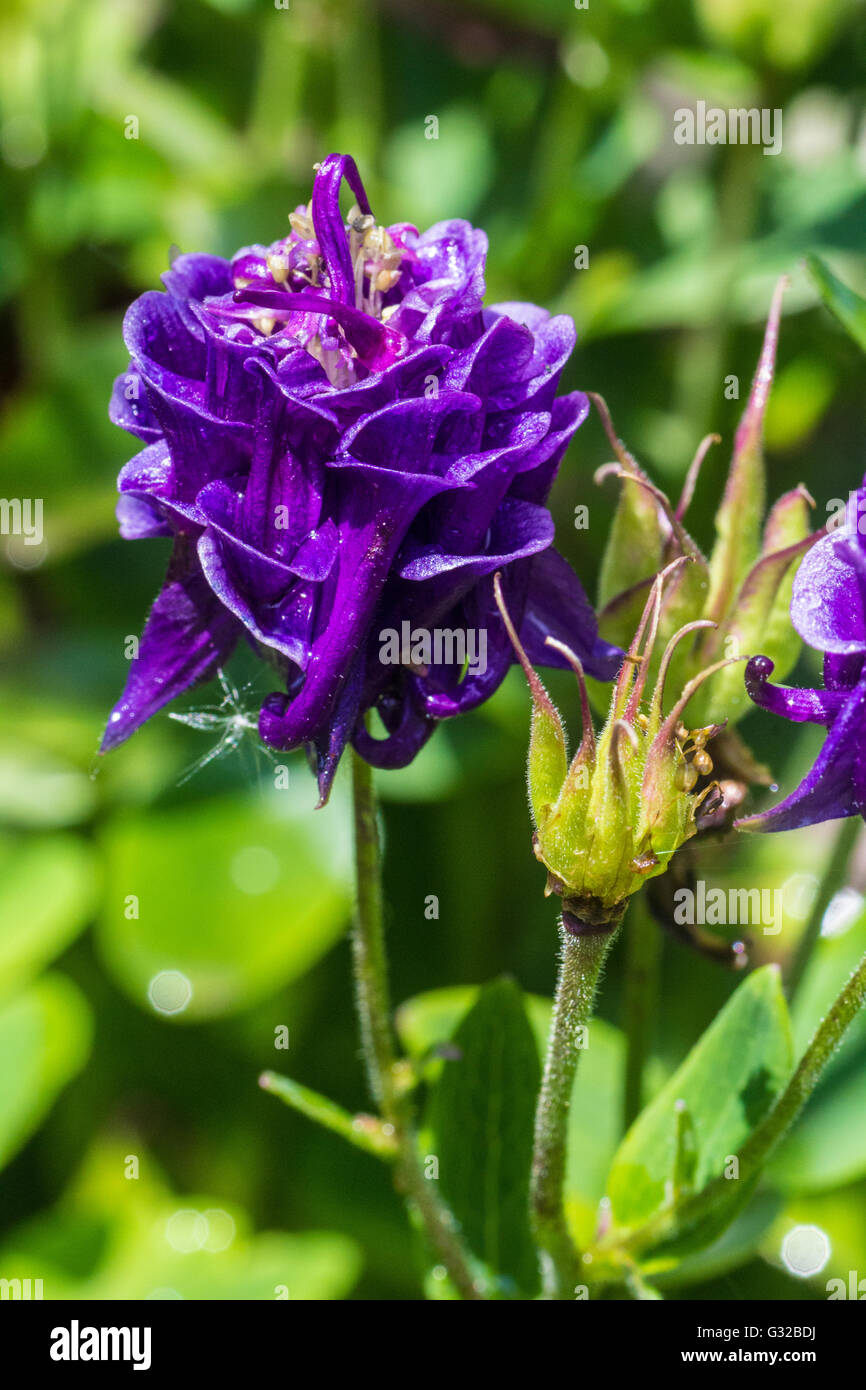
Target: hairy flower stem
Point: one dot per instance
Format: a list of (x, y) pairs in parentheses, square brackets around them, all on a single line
[(581, 960), (371, 980)]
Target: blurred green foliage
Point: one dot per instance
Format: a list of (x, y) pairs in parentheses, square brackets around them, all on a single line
[(554, 133)]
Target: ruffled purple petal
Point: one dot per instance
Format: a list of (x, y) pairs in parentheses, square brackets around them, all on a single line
[(336, 452)]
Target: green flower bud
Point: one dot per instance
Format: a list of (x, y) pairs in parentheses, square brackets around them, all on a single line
[(614, 815)]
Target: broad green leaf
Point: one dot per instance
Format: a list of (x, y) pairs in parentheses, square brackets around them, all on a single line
[(211, 906), (44, 1042), (47, 893), (430, 1019), (728, 1083), (848, 306), (481, 1118)]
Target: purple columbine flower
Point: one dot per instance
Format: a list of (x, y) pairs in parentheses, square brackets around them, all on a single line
[(341, 440), (828, 609)]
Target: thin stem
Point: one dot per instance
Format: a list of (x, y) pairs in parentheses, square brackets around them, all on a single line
[(364, 1131), (378, 1043), (581, 960), (834, 875), (643, 953), (368, 942)]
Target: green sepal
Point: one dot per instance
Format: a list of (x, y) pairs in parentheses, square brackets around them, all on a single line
[(738, 520)]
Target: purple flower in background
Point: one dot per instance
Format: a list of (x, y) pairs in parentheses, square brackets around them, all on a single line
[(343, 442), (828, 609)]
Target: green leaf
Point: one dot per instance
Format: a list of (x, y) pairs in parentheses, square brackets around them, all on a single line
[(234, 898), (848, 306), (44, 1042), (47, 894), (728, 1082), (593, 1121), (733, 1248), (481, 1116), (430, 1019)]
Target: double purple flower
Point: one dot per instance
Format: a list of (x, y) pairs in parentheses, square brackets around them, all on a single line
[(339, 438), (828, 609)]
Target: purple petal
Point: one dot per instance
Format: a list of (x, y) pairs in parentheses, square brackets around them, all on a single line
[(827, 606), (801, 706), (188, 634), (833, 788), (328, 220)]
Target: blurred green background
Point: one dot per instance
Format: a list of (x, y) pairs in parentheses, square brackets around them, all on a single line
[(119, 1119)]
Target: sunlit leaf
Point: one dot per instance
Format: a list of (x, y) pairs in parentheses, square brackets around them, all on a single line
[(44, 1042), (47, 894), (728, 1083)]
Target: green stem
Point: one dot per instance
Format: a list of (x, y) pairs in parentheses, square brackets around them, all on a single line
[(834, 875), (378, 1043), (581, 960), (368, 942), (643, 953), (760, 1145), (364, 1131)]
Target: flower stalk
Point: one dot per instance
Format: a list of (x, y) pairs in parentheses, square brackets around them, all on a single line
[(582, 955), (377, 1039)]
